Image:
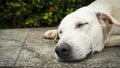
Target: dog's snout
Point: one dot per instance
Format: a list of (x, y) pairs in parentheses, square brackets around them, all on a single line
[(63, 49)]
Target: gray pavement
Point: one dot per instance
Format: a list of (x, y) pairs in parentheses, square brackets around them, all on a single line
[(27, 47)]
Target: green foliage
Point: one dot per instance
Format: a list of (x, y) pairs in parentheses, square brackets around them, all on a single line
[(36, 13)]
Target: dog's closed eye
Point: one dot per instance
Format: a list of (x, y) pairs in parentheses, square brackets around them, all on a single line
[(80, 25), (60, 31)]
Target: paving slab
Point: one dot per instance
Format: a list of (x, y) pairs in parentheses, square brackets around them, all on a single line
[(9, 51), (11, 41), (35, 51), (14, 34)]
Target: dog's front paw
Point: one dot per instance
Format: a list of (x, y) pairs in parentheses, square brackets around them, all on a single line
[(50, 34)]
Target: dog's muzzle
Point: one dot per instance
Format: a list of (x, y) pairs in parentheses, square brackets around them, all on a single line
[(64, 53)]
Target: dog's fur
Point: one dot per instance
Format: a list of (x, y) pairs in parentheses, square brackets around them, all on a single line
[(88, 29)]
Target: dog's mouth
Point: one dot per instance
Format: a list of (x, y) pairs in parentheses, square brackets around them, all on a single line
[(70, 59)]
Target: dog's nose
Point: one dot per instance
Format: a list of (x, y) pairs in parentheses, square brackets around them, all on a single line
[(63, 49)]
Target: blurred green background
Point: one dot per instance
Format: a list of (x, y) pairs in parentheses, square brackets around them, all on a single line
[(36, 13)]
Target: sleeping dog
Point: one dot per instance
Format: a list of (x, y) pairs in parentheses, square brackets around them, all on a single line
[(87, 30)]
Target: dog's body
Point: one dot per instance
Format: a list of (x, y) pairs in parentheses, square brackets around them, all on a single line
[(87, 30)]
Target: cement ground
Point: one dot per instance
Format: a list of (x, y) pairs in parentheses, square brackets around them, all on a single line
[(28, 48)]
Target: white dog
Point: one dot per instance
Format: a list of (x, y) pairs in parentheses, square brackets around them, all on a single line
[(86, 30)]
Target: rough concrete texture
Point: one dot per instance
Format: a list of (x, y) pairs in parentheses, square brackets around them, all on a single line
[(27, 47)]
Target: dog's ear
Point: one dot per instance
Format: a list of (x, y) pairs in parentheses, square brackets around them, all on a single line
[(106, 22), (107, 19)]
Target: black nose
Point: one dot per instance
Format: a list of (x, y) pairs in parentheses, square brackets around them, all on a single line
[(63, 49)]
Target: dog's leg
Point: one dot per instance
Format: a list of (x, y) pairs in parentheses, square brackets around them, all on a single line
[(51, 34), (114, 40)]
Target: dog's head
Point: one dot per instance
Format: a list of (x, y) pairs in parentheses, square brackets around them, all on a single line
[(81, 33)]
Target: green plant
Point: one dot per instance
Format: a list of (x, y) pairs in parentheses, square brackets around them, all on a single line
[(36, 13)]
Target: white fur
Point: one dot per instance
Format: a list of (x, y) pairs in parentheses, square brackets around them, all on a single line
[(90, 36)]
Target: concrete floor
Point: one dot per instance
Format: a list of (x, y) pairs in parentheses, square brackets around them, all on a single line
[(27, 47)]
